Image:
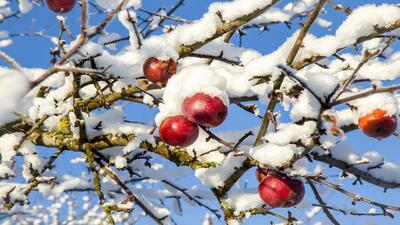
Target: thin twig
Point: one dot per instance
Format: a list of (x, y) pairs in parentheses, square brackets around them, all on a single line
[(11, 62), (319, 199), (364, 94), (192, 198)]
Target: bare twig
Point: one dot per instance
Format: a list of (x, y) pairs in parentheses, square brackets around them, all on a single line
[(319, 199), (11, 61), (357, 198), (365, 94), (194, 199)]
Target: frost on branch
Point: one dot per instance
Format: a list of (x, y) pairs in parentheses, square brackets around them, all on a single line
[(81, 143)]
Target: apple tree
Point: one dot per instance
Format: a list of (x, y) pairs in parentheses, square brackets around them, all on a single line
[(333, 79)]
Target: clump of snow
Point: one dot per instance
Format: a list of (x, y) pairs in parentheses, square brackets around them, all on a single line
[(285, 14), (386, 70), (134, 144), (384, 101), (24, 6), (66, 182), (55, 102), (215, 177), (120, 162), (32, 161), (322, 84), (112, 122), (126, 17), (7, 143), (10, 98), (244, 200), (112, 4), (275, 155), (187, 82), (107, 38), (344, 117), (288, 132), (306, 106), (205, 27)]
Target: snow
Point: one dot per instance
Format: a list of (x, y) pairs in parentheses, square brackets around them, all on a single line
[(7, 143), (109, 37), (32, 161), (120, 162), (215, 177), (112, 4), (125, 17), (232, 222), (288, 133), (10, 98), (112, 122), (134, 144), (344, 117), (361, 22), (386, 70), (306, 106), (25, 6), (286, 13), (275, 155), (384, 101), (206, 26), (244, 200)]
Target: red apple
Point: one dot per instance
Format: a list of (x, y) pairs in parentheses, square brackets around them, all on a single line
[(178, 131), (278, 190), (205, 110), (61, 6), (159, 71), (378, 124), (261, 174)]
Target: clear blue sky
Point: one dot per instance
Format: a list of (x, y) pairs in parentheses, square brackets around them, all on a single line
[(34, 52)]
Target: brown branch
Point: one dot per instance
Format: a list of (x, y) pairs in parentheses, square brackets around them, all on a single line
[(11, 62), (185, 50), (162, 19), (349, 81), (135, 29), (191, 198), (356, 172), (215, 57), (390, 89), (350, 213), (130, 194), (321, 202), (357, 198), (277, 83), (263, 211)]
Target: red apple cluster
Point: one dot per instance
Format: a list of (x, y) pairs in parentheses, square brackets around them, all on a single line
[(61, 6), (201, 109), (279, 190), (378, 124)]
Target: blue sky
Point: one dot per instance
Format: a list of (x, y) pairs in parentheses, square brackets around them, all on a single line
[(34, 52)]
